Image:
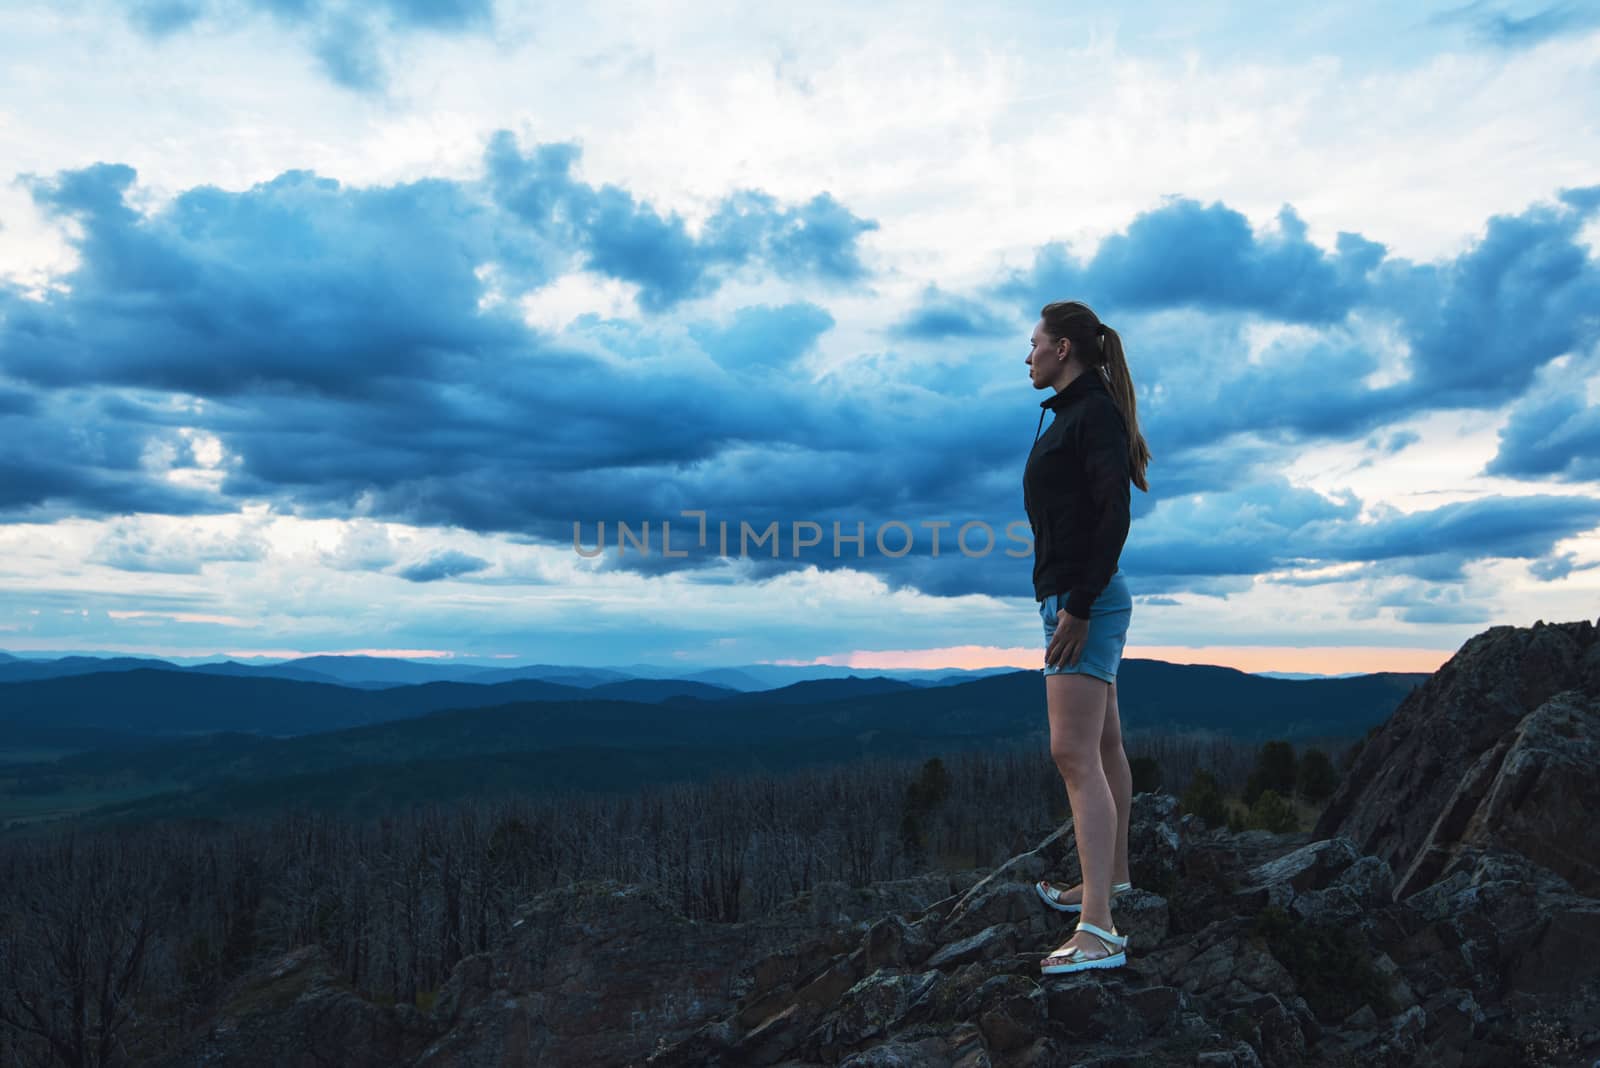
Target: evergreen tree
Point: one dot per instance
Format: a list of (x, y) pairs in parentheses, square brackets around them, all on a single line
[(929, 788), (911, 837), (1203, 798), (1317, 777), (923, 793), (1276, 770)]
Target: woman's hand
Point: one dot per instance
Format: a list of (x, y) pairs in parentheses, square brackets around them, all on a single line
[(1066, 645)]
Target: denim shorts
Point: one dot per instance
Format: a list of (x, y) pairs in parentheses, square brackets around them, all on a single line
[(1108, 630)]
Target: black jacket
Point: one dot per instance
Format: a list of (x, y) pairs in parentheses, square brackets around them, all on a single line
[(1076, 490)]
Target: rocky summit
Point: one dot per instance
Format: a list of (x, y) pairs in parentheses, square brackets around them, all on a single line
[(1444, 911)]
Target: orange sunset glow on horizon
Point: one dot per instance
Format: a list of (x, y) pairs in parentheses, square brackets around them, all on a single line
[(1312, 659)]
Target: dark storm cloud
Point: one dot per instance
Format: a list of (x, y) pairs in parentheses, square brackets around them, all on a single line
[(343, 343), (628, 240), (1554, 432), (62, 454), (1206, 256), (1477, 327), (1554, 566), (352, 356), (443, 565)]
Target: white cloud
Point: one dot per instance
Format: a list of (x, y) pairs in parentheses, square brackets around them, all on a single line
[(969, 145)]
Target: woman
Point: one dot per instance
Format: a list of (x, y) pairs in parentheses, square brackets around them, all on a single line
[(1075, 489)]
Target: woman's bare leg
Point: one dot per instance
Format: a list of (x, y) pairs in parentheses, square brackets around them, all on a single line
[(1120, 777), (1077, 709), (1114, 759)]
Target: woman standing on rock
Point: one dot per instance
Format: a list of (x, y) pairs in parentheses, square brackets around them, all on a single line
[(1075, 490)]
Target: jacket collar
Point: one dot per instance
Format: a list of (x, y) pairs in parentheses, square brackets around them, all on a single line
[(1086, 381)]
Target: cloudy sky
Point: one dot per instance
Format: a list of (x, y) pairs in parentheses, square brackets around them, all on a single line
[(323, 324)]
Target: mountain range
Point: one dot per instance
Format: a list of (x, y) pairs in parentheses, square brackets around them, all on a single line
[(138, 742)]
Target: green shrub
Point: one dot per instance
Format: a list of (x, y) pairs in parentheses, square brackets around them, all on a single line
[(1272, 813)]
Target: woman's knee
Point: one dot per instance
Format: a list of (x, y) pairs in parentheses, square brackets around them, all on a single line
[(1076, 762)]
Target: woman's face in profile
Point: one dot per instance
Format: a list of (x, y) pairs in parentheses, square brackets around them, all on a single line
[(1041, 359)]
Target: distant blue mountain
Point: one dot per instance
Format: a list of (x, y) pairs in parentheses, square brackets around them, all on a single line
[(564, 674), (445, 740), (1307, 674), (814, 690), (382, 669), (361, 671)]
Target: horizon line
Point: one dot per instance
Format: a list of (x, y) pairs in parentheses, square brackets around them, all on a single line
[(1251, 659)]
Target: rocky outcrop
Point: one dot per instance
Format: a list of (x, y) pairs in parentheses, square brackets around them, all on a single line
[(1497, 749), (1456, 924), (1261, 949), (604, 972), (1258, 949), (296, 1010)]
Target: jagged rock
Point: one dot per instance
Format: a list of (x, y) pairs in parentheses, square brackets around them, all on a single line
[(600, 972), (835, 904), (1325, 882), (1535, 793), (1454, 1019), (1088, 1008), (1310, 867), (1434, 757), (1497, 922), (1155, 843), (469, 985), (987, 944), (954, 997), (1565, 955), (893, 941), (990, 904), (1239, 960), (1008, 1010), (1363, 887), (1157, 1008), (926, 1053), (1270, 1027), (294, 1009), (1240, 1056), (868, 1009)]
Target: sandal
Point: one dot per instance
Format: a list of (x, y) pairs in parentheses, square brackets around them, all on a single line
[(1074, 959), (1052, 896)]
